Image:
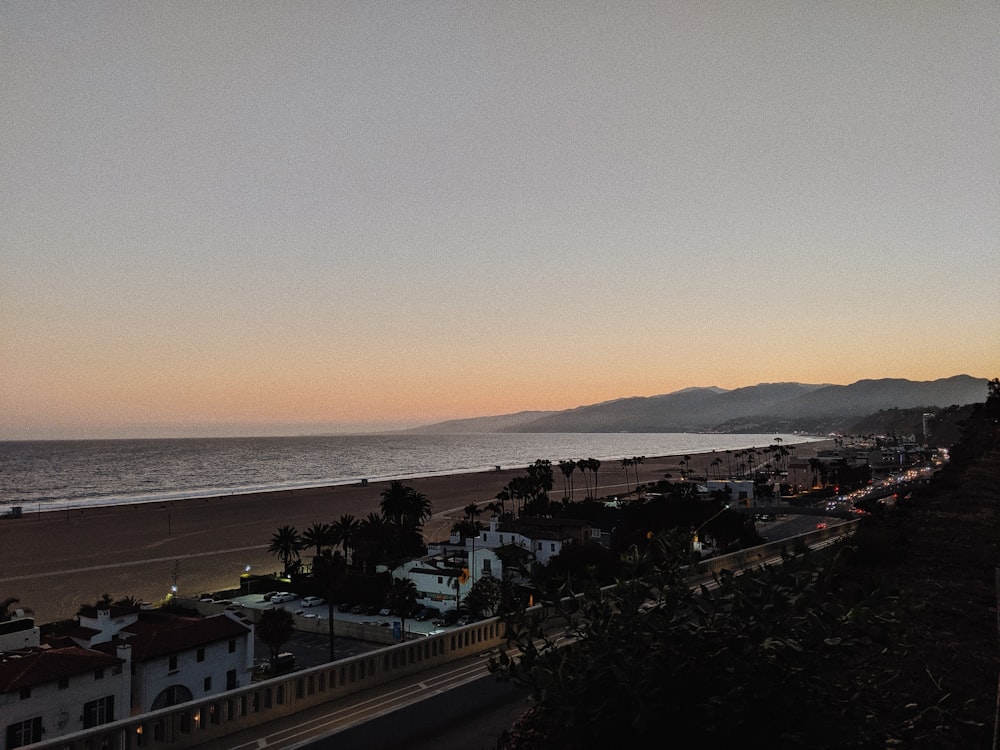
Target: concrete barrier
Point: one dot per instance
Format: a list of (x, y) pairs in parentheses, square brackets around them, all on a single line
[(201, 721)]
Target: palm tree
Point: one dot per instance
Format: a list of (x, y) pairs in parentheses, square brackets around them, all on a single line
[(418, 510), (594, 466), (345, 532), (285, 545), (404, 506), (636, 462), (626, 462), (275, 629), (319, 535), (402, 598), (717, 463), (503, 496), (567, 468), (372, 540), (583, 465), (394, 501), (330, 572)]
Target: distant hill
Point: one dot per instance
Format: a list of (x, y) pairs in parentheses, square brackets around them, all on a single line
[(767, 407), (501, 423)]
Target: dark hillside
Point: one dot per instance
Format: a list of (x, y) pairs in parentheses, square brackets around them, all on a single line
[(916, 593)]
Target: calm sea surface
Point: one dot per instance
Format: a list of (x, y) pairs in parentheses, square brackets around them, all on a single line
[(50, 475)]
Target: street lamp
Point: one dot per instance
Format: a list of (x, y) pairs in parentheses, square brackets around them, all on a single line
[(695, 544)]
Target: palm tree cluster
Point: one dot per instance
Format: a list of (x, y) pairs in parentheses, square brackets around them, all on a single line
[(392, 532), (634, 463), (584, 465), (528, 494)]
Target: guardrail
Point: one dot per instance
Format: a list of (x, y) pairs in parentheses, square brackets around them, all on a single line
[(200, 721)]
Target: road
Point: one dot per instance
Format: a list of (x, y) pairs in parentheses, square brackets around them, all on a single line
[(462, 688)]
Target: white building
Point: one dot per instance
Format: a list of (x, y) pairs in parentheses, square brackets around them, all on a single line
[(175, 657), (735, 489), (48, 690), (542, 537), (444, 577)]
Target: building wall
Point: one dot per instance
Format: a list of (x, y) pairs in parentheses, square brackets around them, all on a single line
[(188, 673), (19, 632), (60, 706), (543, 549)]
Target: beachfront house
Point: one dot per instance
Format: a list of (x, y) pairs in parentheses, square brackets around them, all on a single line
[(52, 689), (736, 490), (444, 577), (544, 538), (175, 657), (450, 570)]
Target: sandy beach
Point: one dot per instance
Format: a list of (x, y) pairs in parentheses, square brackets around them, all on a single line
[(55, 561)]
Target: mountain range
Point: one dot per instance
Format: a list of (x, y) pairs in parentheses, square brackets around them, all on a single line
[(767, 407)]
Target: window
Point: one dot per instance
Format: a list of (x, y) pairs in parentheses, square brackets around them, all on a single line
[(201, 654), (440, 580), (98, 712), (172, 663), (63, 683), (486, 566), (25, 693), (24, 732), (552, 547), (99, 673), (232, 646), (231, 680), (208, 684)]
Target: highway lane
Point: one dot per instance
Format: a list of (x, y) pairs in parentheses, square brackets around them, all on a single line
[(421, 707), (302, 728)]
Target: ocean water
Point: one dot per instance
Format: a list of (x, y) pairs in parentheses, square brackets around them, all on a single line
[(53, 475)]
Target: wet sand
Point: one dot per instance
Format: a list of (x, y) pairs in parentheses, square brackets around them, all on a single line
[(55, 561)]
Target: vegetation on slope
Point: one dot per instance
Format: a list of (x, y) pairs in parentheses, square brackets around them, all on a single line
[(890, 641)]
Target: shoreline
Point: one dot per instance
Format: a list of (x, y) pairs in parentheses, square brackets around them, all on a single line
[(108, 497), (55, 560)]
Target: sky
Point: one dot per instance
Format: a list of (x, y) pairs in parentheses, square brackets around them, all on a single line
[(275, 218)]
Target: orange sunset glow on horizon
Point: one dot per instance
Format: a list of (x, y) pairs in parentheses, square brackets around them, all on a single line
[(325, 218)]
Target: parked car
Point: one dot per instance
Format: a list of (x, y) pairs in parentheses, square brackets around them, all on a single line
[(270, 595), (385, 612), (283, 596), (344, 607), (448, 617), (313, 601), (285, 662), (358, 609), (372, 609), (426, 614)]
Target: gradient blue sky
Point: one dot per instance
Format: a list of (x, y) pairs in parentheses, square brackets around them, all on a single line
[(227, 218)]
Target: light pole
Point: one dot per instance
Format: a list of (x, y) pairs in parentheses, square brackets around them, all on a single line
[(695, 544)]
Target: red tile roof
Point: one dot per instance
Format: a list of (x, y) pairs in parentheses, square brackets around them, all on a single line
[(159, 634), (37, 666)]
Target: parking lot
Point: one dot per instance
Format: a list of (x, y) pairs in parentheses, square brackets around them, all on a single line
[(311, 649), (320, 611)]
